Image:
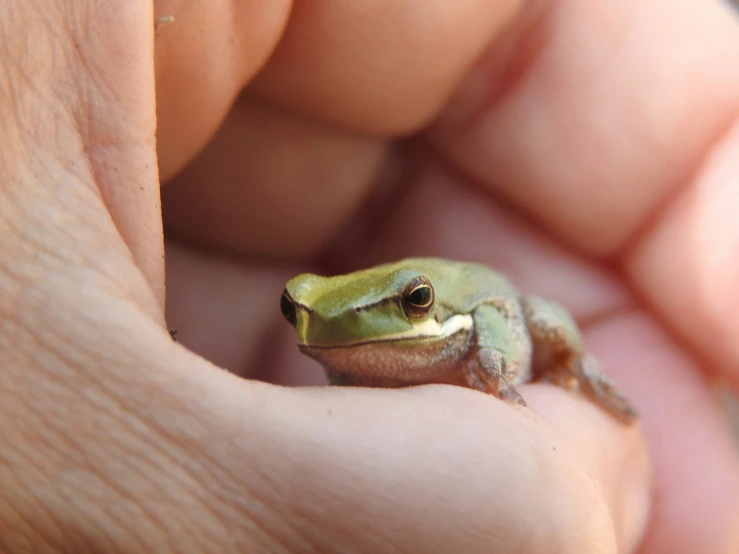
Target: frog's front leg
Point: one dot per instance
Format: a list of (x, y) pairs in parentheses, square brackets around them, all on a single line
[(500, 354), (559, 357)]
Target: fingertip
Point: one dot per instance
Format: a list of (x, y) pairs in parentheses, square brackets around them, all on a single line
[(477, 470), (613, 451)]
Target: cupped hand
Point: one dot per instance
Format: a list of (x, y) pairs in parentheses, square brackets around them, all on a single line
[(588, 150)]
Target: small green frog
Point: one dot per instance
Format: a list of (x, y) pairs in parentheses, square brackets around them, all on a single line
[(432, 320)]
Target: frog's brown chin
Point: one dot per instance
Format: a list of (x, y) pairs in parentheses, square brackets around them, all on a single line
[(394, 363)]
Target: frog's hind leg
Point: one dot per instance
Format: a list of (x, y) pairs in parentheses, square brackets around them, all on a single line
[(559, 357)]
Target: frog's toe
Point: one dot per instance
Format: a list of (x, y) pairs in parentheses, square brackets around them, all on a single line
[(599, 387), (510, 394), (485, 372)]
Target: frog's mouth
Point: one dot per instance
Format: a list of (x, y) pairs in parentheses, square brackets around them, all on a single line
[(429, 330)]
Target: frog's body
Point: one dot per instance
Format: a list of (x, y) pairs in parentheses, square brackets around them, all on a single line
[(430, 320)]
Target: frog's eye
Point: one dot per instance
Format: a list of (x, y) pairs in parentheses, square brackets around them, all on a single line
[(418, 298), (287, 307)]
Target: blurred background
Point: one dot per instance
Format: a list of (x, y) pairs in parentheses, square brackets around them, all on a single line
[(732, 406), (731, 400)]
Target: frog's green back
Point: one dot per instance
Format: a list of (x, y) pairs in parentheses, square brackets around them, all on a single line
[(459, 286)]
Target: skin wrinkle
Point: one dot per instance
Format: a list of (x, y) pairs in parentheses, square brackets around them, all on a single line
[(16, 148), (39, 497), (29, 73), (73, 261), (271, 528), (59, 433), (270, 534), (176, 462), (59, 258), (127, 494), (103, 537), (30, 521), (223, 497), (173, 461), (21, 66), (106, 147), (304, 527), (123, 521)]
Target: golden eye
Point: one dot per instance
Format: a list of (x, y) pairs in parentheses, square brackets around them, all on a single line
[(418, 297), (287, 307)]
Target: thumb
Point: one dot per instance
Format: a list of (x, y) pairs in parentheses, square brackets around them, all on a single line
[(434, 469)]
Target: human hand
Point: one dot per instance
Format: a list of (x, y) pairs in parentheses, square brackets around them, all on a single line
[(130, 442)]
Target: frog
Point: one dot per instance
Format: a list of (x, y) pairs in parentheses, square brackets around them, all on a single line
[(432, 320)]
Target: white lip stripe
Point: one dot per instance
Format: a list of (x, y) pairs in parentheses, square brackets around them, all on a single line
[(431, 328)]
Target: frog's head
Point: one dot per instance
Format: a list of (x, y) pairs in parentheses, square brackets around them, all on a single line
[(383, 304)]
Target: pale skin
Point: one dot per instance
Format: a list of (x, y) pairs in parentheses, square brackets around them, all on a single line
[(570, 144)]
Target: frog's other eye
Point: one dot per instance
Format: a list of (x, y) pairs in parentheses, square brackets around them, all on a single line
[(418, 298), (287, 307)]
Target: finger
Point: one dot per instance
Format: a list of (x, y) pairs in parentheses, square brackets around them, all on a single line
[(380, 67), (594, 144), (203, 59), (272, 184), (446, 469), (692, 253), (623, 151)]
